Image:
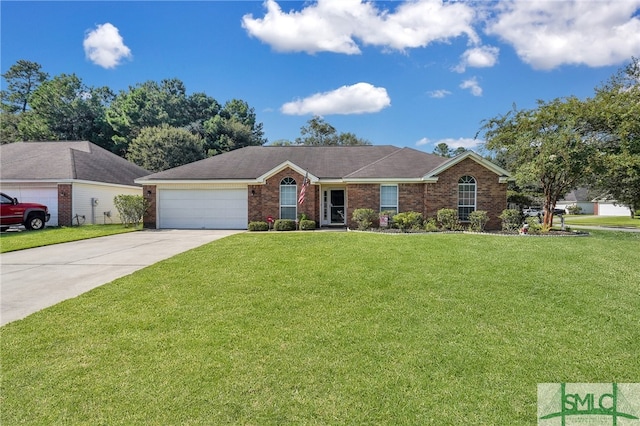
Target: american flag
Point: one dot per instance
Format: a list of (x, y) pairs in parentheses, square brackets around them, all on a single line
[(303, 190)]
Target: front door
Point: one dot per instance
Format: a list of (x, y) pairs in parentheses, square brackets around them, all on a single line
[(337, 207)]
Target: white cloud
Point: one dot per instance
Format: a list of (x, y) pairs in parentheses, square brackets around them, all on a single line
[(105, 47), (478, 57), (439, 94), (547, 34), (359, 98), (473, 86), (335, 25), (467, 143), (423, 141)]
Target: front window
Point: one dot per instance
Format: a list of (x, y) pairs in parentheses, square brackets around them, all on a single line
[(288, 199), (466, 197), (389, 198)]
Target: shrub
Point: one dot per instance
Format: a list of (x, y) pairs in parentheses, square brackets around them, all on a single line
[(408, 220), (430, 225), (574, 209), (285, 225), (364, 218), (511, 220), (131, 208), (478, 220), (448, 219), (534, 225), (258, 226), (307, 225)]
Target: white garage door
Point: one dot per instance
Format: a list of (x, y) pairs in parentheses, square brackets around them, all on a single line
[(33, 194), (203, 208)]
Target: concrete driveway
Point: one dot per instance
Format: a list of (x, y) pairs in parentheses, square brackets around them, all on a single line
[(37, 278)]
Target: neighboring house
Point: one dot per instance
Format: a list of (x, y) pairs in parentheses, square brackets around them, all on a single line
[(74, 179), (256, 183), (599, 206), (578, 197)]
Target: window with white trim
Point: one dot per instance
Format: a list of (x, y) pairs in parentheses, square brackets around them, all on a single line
[(389, 198), (466, 197), (288, 199)]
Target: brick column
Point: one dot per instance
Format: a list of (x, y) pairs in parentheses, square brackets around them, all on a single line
[(149, 218), (65, 204)]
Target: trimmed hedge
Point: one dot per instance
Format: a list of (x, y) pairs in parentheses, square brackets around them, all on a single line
[(307, 225), (258, 226), (284, 225)]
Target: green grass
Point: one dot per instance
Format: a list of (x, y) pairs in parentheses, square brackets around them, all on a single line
[(11, 241), (333, 328), (609, 221)]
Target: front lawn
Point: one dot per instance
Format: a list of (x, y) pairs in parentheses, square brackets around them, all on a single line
[(20, 240), (333, 328), (608, 221)]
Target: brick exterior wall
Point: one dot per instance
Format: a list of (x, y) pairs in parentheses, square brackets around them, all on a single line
[(65, 204), (362, 196), (266, 199), (491, 196), (149, 219)]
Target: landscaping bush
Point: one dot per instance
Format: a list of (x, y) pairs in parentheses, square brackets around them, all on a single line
[(431, 225), (574, 209), (448, 219), (364, 218), (307, 225), (131, 208), (285, 225), (534, 225), (511, 220), (408, 221), (258, 226), (478, 219)]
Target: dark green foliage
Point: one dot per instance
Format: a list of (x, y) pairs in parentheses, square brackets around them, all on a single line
[(258, 226), (163, 147), (364, 218), (511, 219), (285, 225), (408, 221), (478, 220), (448, 219), (430, 225), (307, 225)]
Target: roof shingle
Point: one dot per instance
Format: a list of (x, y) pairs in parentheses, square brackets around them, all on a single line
[(64, 160)]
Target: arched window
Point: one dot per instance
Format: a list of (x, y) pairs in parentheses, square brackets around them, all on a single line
[(466, 197), (288, 201)]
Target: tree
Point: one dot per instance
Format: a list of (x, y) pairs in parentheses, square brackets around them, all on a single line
[(22, 78), (163, 147), (614, 122), (320, 133), (147, 105), (547, 147), (443, 150), (234, 127), (63, 108)]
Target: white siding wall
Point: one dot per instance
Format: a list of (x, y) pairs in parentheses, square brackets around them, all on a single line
[(84, 192)]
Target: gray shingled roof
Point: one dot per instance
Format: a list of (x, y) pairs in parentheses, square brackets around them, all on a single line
[(324, 162), (80, 160)]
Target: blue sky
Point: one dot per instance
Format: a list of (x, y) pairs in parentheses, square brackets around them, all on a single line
[(405, 73)]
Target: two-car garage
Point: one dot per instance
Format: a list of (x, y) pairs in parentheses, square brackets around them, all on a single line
[(198, 208)]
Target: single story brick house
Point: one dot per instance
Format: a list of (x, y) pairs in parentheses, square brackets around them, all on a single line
[(255, 183), (72, 178)]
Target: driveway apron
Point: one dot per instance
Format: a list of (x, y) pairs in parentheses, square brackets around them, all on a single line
[(37, 278)]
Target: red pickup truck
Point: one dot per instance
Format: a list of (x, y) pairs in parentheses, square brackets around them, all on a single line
[(31, 215)]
